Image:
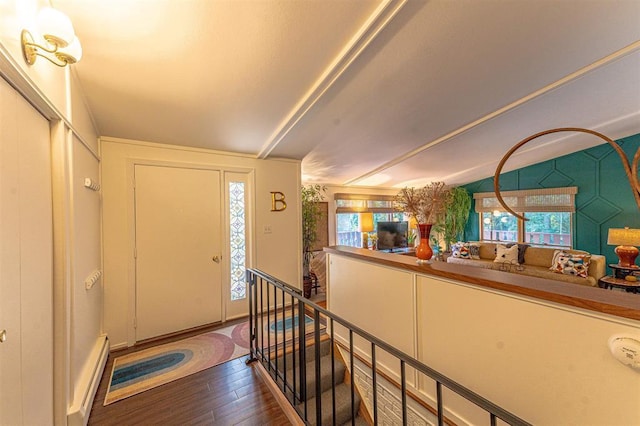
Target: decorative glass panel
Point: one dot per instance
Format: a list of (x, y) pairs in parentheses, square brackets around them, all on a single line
[(237, 241)]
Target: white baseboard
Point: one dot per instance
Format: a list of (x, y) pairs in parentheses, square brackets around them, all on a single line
[(78, 413), (282, 401)]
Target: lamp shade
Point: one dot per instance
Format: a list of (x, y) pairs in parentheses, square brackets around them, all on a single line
[(55, 27), (413, 222), (365, 222), (72, 53), (623, 237)]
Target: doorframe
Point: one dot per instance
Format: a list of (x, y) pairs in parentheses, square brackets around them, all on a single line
[(224, 219)]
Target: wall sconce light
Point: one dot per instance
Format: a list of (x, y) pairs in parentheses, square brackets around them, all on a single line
[(61, 46)]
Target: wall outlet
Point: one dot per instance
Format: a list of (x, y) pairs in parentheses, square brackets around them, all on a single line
[(267, 229)]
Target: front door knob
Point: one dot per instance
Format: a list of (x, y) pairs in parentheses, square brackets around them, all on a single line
[(3, 336), (216, 259)]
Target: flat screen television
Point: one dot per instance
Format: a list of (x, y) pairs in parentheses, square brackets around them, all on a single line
[(392, 235)]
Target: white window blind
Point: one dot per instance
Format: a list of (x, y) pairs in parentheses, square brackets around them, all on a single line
[(529, 200), (363, 203)]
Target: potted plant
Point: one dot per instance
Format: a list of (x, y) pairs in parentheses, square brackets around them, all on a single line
[(311, 196)]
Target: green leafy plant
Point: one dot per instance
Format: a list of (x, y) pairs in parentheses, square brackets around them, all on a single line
[(455, 217), (311, 196)]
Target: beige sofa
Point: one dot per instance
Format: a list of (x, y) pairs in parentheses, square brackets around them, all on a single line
[(537, 261)]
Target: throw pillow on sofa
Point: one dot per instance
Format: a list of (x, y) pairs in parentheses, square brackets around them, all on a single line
[(521, 249), (474, 251), (460, 250), (571, 264), (463, 250), (506, 254)]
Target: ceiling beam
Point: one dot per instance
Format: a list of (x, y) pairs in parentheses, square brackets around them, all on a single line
[(380, 18)]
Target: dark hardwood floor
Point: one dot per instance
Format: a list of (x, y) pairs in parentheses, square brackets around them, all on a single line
[(228, 394)]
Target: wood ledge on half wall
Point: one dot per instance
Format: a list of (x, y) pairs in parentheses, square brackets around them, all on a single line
[(617, 303)]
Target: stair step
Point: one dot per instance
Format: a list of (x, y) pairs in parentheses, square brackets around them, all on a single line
[(359, 422), (325, 375), (310, 353), (343, 406)]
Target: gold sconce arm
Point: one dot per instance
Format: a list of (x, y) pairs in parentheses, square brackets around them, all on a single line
[(30, 50)]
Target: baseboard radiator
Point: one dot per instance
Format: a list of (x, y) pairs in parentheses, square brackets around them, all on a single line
[(78, 413)]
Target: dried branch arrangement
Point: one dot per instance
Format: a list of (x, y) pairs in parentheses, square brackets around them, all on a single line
[(427, 204)]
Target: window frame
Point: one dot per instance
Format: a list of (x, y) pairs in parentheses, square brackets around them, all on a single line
[(347, 203), (544, 200)]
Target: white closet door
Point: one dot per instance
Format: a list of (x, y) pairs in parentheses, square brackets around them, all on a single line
[(26, 259), (177, 238)]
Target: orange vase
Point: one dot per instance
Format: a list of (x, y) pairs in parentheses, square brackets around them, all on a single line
[(423, 250)]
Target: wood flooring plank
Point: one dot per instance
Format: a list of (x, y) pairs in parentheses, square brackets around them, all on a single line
[(228, 394)]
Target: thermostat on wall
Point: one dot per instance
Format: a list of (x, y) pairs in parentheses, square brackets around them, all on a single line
[(626, 349)]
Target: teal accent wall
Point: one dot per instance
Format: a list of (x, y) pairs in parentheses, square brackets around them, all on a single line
[(604, 200)]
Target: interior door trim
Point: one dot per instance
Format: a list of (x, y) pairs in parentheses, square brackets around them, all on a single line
[(131, 230)]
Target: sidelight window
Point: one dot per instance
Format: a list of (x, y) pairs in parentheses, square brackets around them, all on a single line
[(237, 239)]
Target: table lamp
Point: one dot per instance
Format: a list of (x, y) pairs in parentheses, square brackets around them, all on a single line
[(626, 241), (365, 225)]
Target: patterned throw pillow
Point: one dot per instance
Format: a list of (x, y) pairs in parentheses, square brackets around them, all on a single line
[(571, 264), (554, 258), (460, 250), (455, 250), (506, 254), (474, 251)]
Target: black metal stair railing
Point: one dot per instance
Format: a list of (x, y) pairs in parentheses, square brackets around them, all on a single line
[(272, 300)]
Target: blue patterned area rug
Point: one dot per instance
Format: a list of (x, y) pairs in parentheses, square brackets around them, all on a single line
[(284, 328), (140, 371)]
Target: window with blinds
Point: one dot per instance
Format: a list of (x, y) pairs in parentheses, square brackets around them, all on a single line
[(363, 203), (530, 200), (549, 214), (349, 208)]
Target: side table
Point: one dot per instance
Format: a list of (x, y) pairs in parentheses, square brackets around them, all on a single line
[(610, 282), (622, 271)]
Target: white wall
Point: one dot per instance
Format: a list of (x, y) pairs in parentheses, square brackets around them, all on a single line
[(76, 314), (87, 258), (277, 253), (545, 362)]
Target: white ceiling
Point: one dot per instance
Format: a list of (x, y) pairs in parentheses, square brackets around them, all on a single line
[(376, 93)]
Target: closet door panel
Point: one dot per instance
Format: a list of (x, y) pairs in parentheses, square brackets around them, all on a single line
[(26, 256), (36, 263), (10, 306)]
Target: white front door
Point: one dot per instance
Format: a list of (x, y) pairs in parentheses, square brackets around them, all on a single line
[(178, 254)]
